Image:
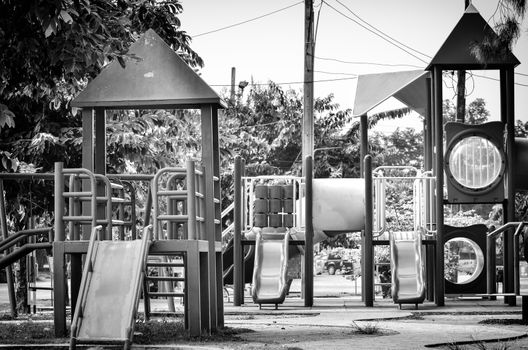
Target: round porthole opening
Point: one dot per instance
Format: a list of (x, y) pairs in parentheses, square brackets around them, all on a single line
[(463, 260), (475, 163)]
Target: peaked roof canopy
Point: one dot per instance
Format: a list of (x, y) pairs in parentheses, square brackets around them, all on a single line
[(456, 51), (409, 87), (159, 79)]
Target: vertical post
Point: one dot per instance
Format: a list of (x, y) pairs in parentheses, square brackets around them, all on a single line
[(491, 286), (308, 237), (439, 173), (309, 50), (428, 164), (238, 259), (368, 246), (8, 269), (363, 150), (218, 221), (208, 113), (510, 186), (191, 200), (88, 159), (233, 78), (59, 276), (60, 234)]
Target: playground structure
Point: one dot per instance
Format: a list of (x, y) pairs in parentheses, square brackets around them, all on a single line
[(186, 233), (479, 166)]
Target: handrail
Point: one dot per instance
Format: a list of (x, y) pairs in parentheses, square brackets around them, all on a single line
[(14, 239), (396, 167), (504, 227), (228, 209), (87, 272), (24, 250)]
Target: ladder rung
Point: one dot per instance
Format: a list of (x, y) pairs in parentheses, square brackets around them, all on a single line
[(116, 186), (216, 201), (164, 264), (78, 218), (166, 294), (174, 218), (77, 194), (217, 222), (173, 193), (118, 200), (166, 278), (199, 195)]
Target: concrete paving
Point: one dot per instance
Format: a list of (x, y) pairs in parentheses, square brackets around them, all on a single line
[(338, 315)]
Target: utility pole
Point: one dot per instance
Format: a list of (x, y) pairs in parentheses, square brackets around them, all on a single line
[(233, 78), (461, 87), (309, 51)]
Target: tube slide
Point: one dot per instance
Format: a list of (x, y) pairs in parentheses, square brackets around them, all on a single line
[(271, 264), (408, 285)]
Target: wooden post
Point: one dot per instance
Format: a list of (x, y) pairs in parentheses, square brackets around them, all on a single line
[(238, 259), (8, 269), (510, 186), (308, 236), (439, 173), (309, 50), (368, 246), (208, 113)]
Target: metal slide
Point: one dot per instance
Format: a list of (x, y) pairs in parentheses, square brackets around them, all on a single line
[(109, 293), (408, 286), (271, 264)]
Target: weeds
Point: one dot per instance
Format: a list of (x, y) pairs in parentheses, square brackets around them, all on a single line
[(368, 328)]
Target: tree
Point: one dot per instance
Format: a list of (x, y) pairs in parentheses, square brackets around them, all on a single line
[(509, 15), (49, 50), (476, 112)]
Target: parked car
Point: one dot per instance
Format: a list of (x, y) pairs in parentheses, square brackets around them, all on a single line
[(334, 262)]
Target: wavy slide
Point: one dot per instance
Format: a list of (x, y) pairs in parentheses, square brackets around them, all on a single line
[(271, 264), (408, 285)]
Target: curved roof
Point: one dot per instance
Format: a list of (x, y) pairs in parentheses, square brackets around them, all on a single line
[(409, 87), (159, 79)]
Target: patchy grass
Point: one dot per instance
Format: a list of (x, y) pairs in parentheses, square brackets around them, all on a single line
[(162, 331), (368, 329), (479, 346), (27, 332), (504, 321)]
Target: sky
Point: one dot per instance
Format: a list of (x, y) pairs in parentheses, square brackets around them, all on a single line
[(271, 48)]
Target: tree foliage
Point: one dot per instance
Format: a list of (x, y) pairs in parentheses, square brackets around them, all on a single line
[(508, 18), (50, 49)]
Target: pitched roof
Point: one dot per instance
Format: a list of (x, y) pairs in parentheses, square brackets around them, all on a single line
[(409, 87), (455, 53), (159, 79)]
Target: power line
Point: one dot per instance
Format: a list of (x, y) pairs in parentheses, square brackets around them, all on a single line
[(380, 31), (369, 63), (375, 33), (292, 82), (248, 20), (339, 73)]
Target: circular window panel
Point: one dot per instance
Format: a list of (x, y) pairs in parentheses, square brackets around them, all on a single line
[(464, 260), (475, 163)]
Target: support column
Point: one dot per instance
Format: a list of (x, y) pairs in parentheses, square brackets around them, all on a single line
[(368, 246), (218, 221), (308, 236), (510, 186), (428, 164), (238, 260), (439, 173), (208, 114)]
